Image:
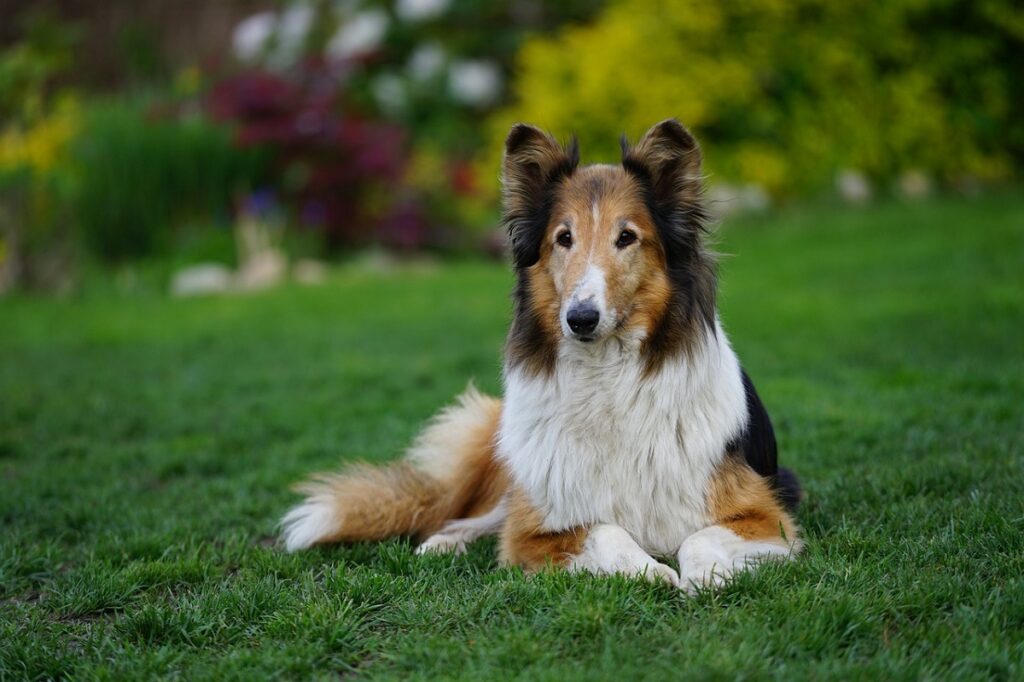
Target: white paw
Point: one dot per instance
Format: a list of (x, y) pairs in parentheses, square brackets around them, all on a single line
[(307, 524), (656, 571), (610, 550), (439, 543), (711, 557), (693, 578)]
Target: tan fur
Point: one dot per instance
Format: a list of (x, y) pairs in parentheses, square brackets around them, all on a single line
[(464, 435), (373, 503), (745, 503), (546, 299), (596, 204), (450, 472), (526, 544), (486, 485), (652, 296)]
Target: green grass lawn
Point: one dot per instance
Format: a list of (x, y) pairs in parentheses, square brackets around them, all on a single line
[(147, 446)]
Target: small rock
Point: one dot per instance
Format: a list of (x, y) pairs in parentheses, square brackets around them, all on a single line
[(754, 198), (376, 259), (914, 184), (262, 271), (201, 279), (725, 199), (853, 187), (309, 271)]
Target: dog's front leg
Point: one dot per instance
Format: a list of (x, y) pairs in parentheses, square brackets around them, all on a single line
[(609, 549), (711, 556), (602, 549), (749, 525)]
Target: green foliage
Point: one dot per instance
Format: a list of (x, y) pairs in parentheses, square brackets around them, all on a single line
[(147, 446), (36, 126), (28, 66), (489, 30), (785, 93), (139, 176)]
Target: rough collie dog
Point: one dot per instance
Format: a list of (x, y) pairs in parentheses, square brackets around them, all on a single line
[(628, 430)]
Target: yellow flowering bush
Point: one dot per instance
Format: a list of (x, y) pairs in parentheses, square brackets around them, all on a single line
[(40, 146), (784, 93), (34, 184)]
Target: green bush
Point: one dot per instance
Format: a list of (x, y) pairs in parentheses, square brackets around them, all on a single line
[(138, 177), (784, 93)]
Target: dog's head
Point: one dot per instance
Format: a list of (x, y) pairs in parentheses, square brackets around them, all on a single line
[(607, 251)]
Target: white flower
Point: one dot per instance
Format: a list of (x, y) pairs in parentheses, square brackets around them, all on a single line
[(359, 35), (426, 62), (389, 91), (292, 28), (476, 82), (420, 10), (251, 35), (289, 28)]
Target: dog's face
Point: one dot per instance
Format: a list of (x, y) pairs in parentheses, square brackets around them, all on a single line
[(603, 250), (600, 262)]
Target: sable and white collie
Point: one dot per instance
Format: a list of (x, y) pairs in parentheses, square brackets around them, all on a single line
[(628, 430)]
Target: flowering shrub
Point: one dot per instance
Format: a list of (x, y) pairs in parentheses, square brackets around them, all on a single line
[(37, 125), (40, 146), (785, 93), (35, 184), (423, 72), (357, 120), (334, 166)]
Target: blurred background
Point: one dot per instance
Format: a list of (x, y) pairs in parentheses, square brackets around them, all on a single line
[(235, 144)]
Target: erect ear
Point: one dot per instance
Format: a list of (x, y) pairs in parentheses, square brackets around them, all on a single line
[(667, 160), (534, 164)]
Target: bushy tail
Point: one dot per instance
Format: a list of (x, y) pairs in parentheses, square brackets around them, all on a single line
[(449, 472)]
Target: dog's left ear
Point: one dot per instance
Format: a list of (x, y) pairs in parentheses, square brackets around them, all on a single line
[(667, 159)]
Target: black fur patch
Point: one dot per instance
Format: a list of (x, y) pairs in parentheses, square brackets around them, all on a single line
[(756, 445), (787, 487), (528, 343), (757, 440), (530, 191)]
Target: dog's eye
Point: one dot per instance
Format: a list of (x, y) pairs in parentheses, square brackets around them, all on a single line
[(626, 237), (564, 239)]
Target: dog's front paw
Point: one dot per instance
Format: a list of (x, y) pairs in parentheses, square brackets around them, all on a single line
[(440, 543), (656, 571), (610, 550), (700, 575), (711, 557)]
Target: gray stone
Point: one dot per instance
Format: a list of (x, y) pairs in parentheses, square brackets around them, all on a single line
[(201, 279), (853, 187)]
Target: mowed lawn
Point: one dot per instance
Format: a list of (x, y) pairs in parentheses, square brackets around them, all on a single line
[(147, 446)]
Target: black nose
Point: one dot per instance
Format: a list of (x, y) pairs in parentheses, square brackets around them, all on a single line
[(583, 319)]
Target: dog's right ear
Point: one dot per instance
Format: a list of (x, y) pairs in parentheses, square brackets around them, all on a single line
[(534, 164)]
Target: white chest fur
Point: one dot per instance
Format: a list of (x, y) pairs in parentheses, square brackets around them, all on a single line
[(597, 442)]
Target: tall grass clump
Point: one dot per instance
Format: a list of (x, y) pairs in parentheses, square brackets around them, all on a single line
[(141, 175)]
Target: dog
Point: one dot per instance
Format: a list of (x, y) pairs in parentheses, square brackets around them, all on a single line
[(628, 432)]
